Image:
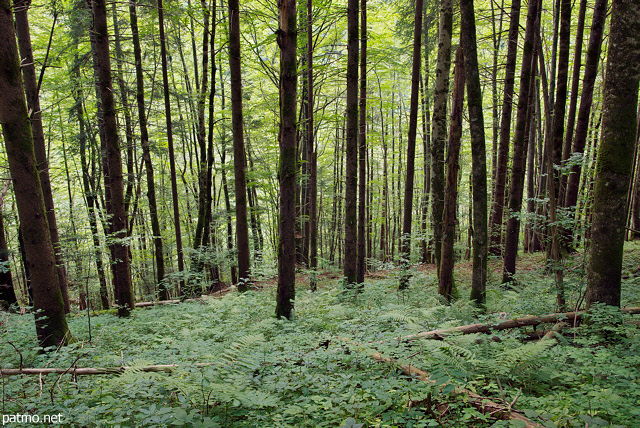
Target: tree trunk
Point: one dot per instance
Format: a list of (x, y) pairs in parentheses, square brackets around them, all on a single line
[(287, 40), (351, 188), (615, 155), (172, 161), (51, 323), (439, 135), (362, 147), (446, 286), (313, 176), (519, 144), (146, 154), (113, 180), (499, 186), (7, 292), (242, 230), (478, 152), (33, 103)]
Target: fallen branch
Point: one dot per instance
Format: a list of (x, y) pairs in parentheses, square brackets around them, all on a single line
[(483, 404), (92, 371), (568, 317), (166, 302)]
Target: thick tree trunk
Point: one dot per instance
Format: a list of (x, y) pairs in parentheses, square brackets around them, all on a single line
[(172, 161), (51, 323), (351, 188), (362, 147), (519, 144), (239, 162), (113, 180), (33, 102), (499, 186), (478, 152), (615, 155), (439, 135), (287, 40), (146, 154), (446, 286)]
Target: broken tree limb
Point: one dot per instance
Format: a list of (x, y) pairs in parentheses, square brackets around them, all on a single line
[(483, 404), (568, 317), (92, 370)]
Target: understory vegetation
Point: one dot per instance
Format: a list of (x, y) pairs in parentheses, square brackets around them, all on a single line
[(238, 366)]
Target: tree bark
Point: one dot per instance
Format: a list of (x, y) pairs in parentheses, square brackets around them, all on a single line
[(313, 176), (287, 40), (7, 292), (478, 152), (51, 323), (615, 155), (446, 286), (362, 147), (239, 162)]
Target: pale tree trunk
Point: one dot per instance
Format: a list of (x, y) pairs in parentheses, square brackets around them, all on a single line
[(615, 155), (287, 40), (51, 323), (478, 152), (242, 230), (33, 102)]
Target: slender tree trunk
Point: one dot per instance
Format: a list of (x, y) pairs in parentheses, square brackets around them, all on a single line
[(287, 40), (362, 147), (172, 161), (313, 176), (478, 152), (615, 155), (498, 198), (439, 135), (446, 286), (146, 154), (497, 40), (51, 323), (113, 180), (35, 115), (351, 187), (519, 146), (7, 292), (239, 162)]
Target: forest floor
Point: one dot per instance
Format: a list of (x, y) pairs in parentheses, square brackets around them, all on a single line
[(233, 364)]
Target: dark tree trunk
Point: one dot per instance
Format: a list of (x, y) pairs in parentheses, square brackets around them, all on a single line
[(146, 154), (586, 99), (33, 103), (446, 286), (313, 175), (499, 186), (615, 155), (7, 292), (411, 146), (519, 144), (362, 147), (242, 229), (351, 188), (172, 161), (113, 180), (439, 135), (51, 323), (478, 152), (287, 40)]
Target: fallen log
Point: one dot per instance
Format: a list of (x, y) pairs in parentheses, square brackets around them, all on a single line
[(92, 370), (483, 404), (568, 317)]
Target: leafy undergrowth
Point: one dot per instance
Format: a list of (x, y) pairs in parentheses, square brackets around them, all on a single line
[(238, 366)]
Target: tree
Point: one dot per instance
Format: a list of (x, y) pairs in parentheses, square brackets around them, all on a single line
[(239, 162), (287, 40), (7, 292), (51, 323), (615, 155), (478, 151), (362, 147), (351, 186), (411, 144), (439, 134), (113, 172)]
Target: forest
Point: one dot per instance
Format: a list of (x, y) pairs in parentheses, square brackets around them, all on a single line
[(323, 213)]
